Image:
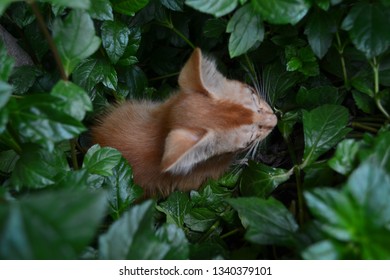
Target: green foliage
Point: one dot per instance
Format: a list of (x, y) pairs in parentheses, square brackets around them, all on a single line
[(318, 188)]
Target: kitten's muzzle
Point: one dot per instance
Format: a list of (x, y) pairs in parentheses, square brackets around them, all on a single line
[(266, 120)]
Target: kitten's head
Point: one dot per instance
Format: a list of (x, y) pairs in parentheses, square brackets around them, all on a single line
[(212, 116)]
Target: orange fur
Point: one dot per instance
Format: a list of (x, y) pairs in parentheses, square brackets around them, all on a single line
[(191, 137)]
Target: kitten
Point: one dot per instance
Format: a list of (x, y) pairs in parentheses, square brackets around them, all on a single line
[(192, 136)]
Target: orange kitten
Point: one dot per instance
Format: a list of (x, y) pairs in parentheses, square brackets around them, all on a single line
[(192, 136)]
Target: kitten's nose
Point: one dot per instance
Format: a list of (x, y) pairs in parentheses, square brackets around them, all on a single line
[(266, 120)]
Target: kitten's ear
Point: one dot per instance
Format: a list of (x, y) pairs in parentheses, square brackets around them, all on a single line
[(184, 148), (200, 75)]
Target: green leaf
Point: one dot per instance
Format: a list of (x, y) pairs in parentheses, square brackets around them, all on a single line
[(369, 185), (101, 161), (279, 81), (335, 210), (176, 207), (133, 237), (74, 100), (94, 71), (129, 57), (129, 7), (246, 29), (323, 128), (37, 168), (101, 10), (345, 157), (5, 93), (43, 226), (260, 180), (136, 82), (76, 4), (173, 235), (319, 30), (122, 191), (75, 39), (200, 219), (115, 37), (23, 78), (294, 64), (267, 220), (8, 160), (367, 24), (217, 8), (174, 5), (214, 27), (3, 6), (346, 215), (323, 250), (6, 61), (38, 120), (281, 11), (302, 60), (287, 122), (364, 102), (315, 97)]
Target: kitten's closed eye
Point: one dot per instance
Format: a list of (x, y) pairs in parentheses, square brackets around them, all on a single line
[(192, 136)]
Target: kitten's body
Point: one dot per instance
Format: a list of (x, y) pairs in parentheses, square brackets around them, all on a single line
[(192, 136)]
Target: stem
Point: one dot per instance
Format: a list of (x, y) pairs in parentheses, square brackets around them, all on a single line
[(53, 47), (301, 204), (164, 76), (210, 231), (364, 126), (181, 35), (230, 233), (73, 153), (375, 68), (340, 49)]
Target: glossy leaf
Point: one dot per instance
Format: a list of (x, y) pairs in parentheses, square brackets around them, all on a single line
[(101, 161), (133, 237), (345, 156), (176, 207), (174, 5), (74, 100), (246, 29), (101, 10), (302, 60), (323, 127), (91, 72), (200, 219), (32, 227), (315, 97), (115, 37), (281, 11), (260, 180), (40, 121), (122, 191), (179, 247), (37, 168), (129, 7), (366, 24), (217, 8), (214, 27), (75, 39), (267, 220), (320, 30), (346, 215), (23, 78)]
